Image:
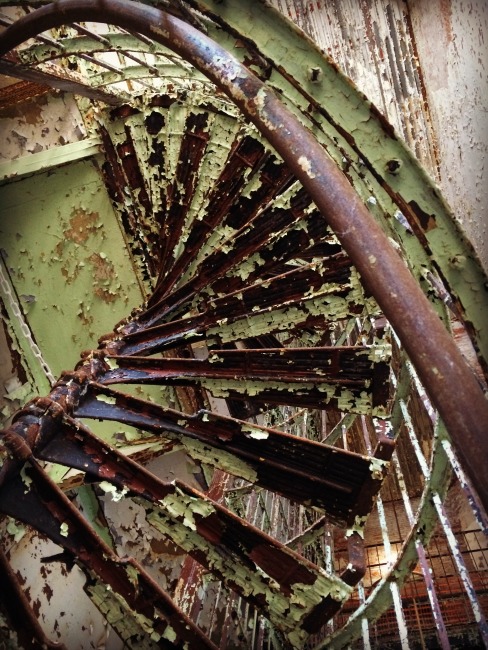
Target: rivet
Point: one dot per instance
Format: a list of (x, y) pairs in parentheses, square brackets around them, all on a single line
[(393, 166), (315, 75)]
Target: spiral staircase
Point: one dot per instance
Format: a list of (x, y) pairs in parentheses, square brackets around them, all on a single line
[(282, 357)]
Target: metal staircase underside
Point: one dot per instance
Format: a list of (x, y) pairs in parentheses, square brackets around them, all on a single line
[(293, 255)]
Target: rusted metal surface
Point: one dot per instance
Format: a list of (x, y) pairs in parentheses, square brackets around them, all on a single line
[(211, 534), (50, 511), (351, 378), (341, 483), (437, 360), (60, 79), (276, 303), (408, 195), (294, 593), (18, 92), (362, 143)]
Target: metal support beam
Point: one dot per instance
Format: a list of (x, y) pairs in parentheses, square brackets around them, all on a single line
[(59, 79)]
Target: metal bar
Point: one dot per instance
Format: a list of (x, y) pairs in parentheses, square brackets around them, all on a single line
[(260, 568), (364, 621), (263, 230), (310, 535), (346, 366), (106, 42), (168, 54), (380, 598), (86, 57), (61, 80), (30, 348), (414, 440), (187, 592), (451, 539), (312, 392), (451, 384), (344, 336), (343, 425), (342, 483), (51, 42), (332, 277), (96, 37), (467, 486), (462, 569), (424, 565), (395, 591), (44, 160)]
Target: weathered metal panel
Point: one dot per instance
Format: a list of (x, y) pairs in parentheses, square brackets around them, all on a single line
[(374, 45), (339, 482)]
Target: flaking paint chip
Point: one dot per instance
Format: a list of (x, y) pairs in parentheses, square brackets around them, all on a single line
[(259, 435)]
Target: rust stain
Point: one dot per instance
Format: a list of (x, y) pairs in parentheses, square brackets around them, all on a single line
[(47, 590), (103, 276), (82, 225), (427, 221), (445, 8), (29, 112), (33, 112), (164, 547), (19, 93), (84, 315)]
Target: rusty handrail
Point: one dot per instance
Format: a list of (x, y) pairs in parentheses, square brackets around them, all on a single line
[(450, 383)]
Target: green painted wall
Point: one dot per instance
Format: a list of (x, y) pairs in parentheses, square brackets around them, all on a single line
[(67, 258)]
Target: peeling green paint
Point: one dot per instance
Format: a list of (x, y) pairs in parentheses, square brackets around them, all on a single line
[(358, 527), (286, 613), (134, 629), (378, 468), (218, 458), (361, 125), (92, 509), (116, 494), (346, 400), (17, 531), (26, 479), (323, 304), (367, 147), (67, 206), (106, 398)]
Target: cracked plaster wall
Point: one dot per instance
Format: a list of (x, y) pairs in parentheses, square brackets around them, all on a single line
[(424, 65), (452, 41), (50, 120)]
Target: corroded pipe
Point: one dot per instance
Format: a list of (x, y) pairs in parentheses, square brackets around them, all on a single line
[(450, 383)]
